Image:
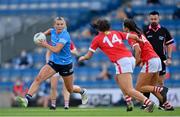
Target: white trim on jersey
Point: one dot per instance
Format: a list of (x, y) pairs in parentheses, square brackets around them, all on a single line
[(92, 50), (169, 41), (135, 45), (127, 36)]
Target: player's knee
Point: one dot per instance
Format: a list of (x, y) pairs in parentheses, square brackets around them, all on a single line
[(53, 88), (38, 79)]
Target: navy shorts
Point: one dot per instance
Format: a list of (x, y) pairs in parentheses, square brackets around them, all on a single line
[(63, 70)]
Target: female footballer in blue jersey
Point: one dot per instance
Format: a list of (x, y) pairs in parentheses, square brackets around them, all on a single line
[(60, 61)]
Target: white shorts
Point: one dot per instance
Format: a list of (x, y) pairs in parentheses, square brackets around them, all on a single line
[(125, 65), (56, 75), (151, 66)]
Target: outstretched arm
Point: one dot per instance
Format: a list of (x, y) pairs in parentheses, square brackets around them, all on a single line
[(135, 37), (87, 56), (75, 52)]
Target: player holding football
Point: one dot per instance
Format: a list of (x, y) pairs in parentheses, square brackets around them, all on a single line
[(60, 62), (150, 62), (110, 42)]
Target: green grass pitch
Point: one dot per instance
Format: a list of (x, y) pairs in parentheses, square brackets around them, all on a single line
[(83, 112)]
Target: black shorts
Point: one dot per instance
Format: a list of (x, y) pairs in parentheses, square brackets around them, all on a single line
[(63, 70), (163, 71)]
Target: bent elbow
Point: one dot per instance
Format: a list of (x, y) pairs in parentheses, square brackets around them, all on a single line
[(56, 51)]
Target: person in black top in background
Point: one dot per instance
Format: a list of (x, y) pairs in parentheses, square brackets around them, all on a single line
[(159, 37)]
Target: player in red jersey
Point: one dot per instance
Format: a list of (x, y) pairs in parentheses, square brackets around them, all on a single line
[(150, 62), (111, 43)]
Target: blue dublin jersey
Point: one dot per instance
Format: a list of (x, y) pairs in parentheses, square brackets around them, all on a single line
[(64, 56)]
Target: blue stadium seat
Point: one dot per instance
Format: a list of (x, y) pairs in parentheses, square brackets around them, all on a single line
[(6, 86), (176, 55), (171, 23), (163, 9), (4, 73)]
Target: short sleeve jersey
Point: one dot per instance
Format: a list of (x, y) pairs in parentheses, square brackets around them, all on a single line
[(111, 44), (158, 39), (147, 51), (64, 56)]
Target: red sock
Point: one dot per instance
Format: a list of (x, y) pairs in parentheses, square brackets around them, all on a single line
[(128, 99), (157, 89), (167, 105), (147, 101)]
